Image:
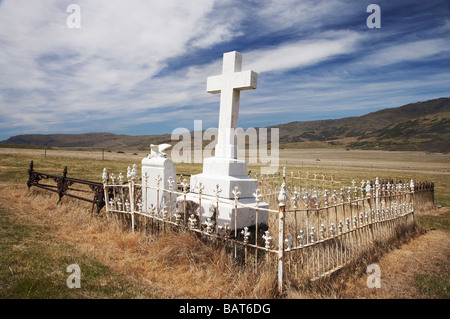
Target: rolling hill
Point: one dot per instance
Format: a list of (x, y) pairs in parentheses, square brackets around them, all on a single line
[(421, 126)]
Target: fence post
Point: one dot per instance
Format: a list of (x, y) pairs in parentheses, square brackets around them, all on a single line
[(377, 193), (282, 198), (131, 188), (105, 178), (30, 175), (412, 203), (62, 185)]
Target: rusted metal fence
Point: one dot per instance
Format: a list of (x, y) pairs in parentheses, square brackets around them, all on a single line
[(62, 185), (311, 232)]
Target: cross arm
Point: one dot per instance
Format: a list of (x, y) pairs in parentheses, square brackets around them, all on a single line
[(244, 80), (214, 84)]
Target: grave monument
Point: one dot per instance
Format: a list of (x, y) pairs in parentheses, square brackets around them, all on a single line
[(224, 172), (156, 170)]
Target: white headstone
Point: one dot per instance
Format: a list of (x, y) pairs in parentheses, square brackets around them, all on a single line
[(156, 172)]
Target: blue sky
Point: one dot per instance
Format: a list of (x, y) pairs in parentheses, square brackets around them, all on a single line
[(139, 67)]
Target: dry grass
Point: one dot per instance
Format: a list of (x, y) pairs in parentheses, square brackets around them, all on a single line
[(169, 266), (181, 266), (401, 270)]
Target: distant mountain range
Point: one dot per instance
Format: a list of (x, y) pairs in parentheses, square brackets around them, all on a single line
[(421, 126), (94, 140)]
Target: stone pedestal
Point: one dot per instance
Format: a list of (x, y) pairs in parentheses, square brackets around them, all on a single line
[(154, 167), (246, 217), (228, 174)]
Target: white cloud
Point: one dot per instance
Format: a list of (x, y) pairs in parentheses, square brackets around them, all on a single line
[(120, 44), (304, 52), (309, 14), (118, 68), (409, 51)]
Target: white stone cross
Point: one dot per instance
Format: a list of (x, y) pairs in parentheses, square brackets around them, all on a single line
[(230, 84)]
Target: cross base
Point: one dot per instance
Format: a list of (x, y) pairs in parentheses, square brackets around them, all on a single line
[(227, 173), (246, 217)]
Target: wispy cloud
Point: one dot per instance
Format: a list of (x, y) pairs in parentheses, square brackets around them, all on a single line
[(142, 62), (423, 50), (304, 52)]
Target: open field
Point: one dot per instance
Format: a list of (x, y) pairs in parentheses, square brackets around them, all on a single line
[(345, 165), (40, 238)]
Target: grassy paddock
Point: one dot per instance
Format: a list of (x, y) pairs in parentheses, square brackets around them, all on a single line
[(115, 264), (345, 165), (33, 264), (41, 238)]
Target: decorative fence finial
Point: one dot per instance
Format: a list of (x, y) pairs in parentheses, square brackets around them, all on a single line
[(332, 230), (326, 195), (323, 231), (134, 173), (295, 198), (209, 225), (192, 222), (227, 230), (235, 193), (301, 237), (105, 176), (112, 204), (307, 198), (158, 181), (184, 184), (282, 197), (201, 188), (246, 234), (129, 173), (257, 194), (289, 241), (267, 238), (178, 217), (313, 234), (145, 179), (170, 181)]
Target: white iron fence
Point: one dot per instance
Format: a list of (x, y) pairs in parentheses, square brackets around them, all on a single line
[(311, 232)]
